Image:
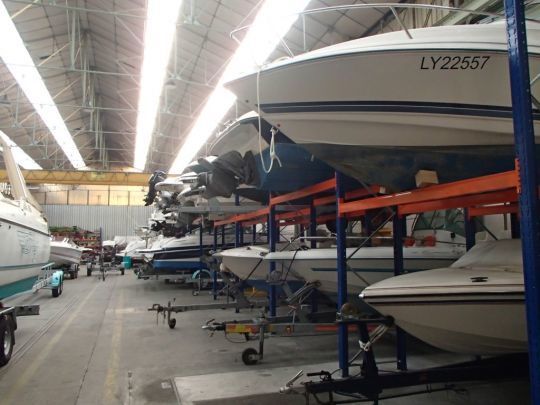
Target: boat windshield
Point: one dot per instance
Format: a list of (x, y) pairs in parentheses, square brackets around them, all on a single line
[(532, 11), (448, 220)]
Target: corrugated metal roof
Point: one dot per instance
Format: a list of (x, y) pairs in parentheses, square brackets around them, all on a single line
[(90, 55)]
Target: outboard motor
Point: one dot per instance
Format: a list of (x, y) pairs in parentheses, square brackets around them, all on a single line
[(157, 177)]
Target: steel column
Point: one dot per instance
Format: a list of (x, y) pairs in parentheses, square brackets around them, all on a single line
[(223, 236), (514, 226), (253, 233), (214, 272), (237, 225), (528, 198), (399, 226), (272, 239), (343, 332), (313, 224), (470, 230)]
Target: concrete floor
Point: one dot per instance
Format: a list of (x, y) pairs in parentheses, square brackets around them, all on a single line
[(98, 344)]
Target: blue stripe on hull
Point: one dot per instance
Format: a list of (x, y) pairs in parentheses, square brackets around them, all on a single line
[(7, 290), (476, 110)]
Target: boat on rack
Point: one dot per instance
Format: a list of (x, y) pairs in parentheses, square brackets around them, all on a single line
[(24, 233), (243, 162), (366, 265), (65, 252), (439, 100), (181, 256), (475, 306)]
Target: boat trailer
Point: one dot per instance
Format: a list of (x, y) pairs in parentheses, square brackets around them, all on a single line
[(370, 383), (49, 278)]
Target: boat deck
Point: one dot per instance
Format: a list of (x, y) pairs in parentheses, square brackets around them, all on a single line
[(98, 344)]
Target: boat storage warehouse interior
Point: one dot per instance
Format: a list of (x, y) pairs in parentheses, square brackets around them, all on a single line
[(237, 202)]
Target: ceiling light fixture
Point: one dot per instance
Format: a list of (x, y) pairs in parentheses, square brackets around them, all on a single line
[(161, 17), (25, 161), (272, 22), (19, 62)]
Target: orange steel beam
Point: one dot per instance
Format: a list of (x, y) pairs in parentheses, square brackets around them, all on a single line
[(493, 182), (324, 200), (329, 184), (363, 192), (350, 195), (493, 210), (243, 217), (293, 214), (459, 202)]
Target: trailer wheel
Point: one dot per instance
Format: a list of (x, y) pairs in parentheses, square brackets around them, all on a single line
[(250, 356), (172, 323), (56, 291), (7, 339), (122, 272)]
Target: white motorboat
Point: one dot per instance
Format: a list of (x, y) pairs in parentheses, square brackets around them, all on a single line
[(476, 306), (366, 265), (132, 250), (24, 233), (437, 101), (65, 253)]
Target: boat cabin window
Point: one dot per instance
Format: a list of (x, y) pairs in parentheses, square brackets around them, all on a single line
[(448, 220)]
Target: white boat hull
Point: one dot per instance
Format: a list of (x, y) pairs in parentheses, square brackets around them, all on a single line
[(447, 87), (473, 307), (367, 266), (24, 247), (65, 255)]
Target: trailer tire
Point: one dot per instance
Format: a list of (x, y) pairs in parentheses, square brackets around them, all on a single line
[(7, 339), (250, 356), (56, 291)]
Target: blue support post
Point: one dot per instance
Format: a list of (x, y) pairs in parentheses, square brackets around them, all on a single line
[(514, 226), (366, 228), (528, 197), (272, 239), (223, 236), (201, 249), (399, 226), (214, 273), (313, 225), (470, 230), (343, 332), (237, 225)]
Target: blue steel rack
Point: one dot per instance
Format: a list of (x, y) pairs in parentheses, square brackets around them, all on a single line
[(528, 197)]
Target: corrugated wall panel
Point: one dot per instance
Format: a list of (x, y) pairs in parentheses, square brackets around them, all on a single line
[(114, 220)]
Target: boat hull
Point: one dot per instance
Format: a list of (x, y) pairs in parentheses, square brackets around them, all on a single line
[(24, 249), (366, 267), (476, 306), (384, 93), (65, 255), (465, 325)]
